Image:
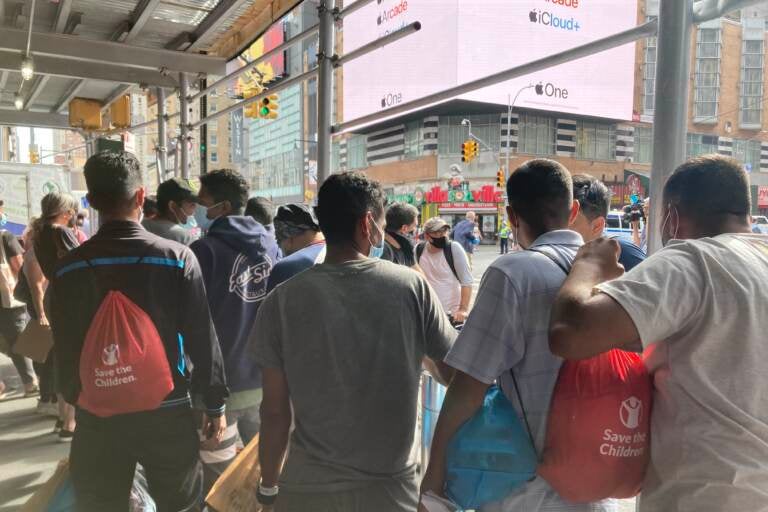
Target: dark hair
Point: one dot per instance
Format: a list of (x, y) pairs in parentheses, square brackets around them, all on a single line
[(343, 200), (401, 214), (541, 192), (150, 206), (227, 185), (708, 188), (593, 196), (112, 178), (261, 209)]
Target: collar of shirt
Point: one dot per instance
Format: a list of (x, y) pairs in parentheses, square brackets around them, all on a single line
[(558, 237)]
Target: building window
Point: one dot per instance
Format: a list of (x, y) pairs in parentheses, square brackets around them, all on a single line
[(649, 73), (748, 153), (451, 133), (751, 101), (701, 144), (212, 107), (707, 81), (214, 156), (213, 139), (536, 135), (643, 144), (412, 139), (356, 152), (595, 141)]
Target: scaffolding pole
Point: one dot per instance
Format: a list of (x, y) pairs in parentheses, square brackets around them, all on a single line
[(184, 125), (670, 122), (162, 137), (325, 90)]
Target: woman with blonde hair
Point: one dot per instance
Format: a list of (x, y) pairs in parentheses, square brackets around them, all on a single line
[(51, 239)]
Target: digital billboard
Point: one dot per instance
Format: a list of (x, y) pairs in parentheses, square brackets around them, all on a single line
[(463, 40)]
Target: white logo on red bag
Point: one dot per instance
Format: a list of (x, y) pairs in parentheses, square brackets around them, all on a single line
[(110, 355), (630, 412)]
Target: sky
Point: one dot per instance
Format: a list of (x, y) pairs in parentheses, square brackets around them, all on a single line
[(43, 139)]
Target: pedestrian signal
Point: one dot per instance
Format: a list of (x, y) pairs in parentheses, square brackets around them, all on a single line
[(500, 179), (269, 106), (469, 151)]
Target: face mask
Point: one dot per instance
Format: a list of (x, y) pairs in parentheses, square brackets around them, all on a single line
[(376, 251), (440, 243), (201, 217), (410, 236), (3, 219)]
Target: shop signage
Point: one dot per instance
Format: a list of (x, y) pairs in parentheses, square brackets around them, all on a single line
[(447, 207), (762, 197), (486, 194)]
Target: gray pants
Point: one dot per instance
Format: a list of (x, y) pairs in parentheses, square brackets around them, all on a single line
[(242, 425), (12, 324), (390, 496)]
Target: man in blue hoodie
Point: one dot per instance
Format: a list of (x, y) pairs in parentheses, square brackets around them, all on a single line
[(236, 257)]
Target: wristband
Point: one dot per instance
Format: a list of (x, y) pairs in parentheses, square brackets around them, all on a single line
[(267, 495)]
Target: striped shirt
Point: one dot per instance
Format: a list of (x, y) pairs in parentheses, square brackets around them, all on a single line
[(508, 329)]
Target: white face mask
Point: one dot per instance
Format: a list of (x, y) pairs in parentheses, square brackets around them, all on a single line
[(376, 251)]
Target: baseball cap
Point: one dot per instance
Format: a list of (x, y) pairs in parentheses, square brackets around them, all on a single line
[(177, 190), (435, 224)]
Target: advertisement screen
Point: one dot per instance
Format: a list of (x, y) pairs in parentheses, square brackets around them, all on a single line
[(463, 40)]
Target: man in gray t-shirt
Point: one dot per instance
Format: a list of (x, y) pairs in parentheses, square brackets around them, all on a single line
[(341, 347)]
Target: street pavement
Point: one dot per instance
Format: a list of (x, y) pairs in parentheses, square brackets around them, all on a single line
[(29, 451)]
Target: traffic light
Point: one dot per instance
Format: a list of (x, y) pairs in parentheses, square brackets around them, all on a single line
[(269, 106), (500, 179), (469, 150), (252, 109)]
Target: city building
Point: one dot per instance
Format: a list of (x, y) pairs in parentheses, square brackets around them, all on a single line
[(418, 156)]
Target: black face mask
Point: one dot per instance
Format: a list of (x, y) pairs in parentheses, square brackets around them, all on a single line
[(440, 243)]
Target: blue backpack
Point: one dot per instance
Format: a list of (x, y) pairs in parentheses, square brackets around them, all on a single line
[(491, 455)]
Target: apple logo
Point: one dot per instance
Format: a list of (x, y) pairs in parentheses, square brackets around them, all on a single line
[(383, 102), (539, 89), (533, 16), (378, 20)]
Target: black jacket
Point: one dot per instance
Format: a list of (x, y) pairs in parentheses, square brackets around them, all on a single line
[(167, 285)]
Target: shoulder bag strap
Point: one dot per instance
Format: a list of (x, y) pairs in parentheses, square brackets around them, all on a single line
[(554, 260), (419, 250), (522, 408), (448, 253)]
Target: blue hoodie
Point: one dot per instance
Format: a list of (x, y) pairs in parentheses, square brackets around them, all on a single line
[(236, 258)]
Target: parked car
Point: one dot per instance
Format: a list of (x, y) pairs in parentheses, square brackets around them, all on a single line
[(615, 226), (760, 224)]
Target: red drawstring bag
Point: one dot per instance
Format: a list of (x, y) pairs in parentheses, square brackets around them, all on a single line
[(598, 439), (123, 365)]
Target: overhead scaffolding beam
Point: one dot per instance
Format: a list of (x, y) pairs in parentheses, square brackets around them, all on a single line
[(105, 52), (37, 88), (599, 45), (71, 93), (45, 65), (140, 16), (33, 119), (62, 16), (223, 11)]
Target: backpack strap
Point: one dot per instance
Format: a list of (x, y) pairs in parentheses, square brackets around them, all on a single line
[(554, 260), (420, 250), (522, 408), (448, 253)]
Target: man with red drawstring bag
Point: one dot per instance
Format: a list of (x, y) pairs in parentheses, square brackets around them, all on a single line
[(598, 441), (129, 312)]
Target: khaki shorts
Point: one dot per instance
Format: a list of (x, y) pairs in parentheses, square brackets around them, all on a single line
[(392, 496)]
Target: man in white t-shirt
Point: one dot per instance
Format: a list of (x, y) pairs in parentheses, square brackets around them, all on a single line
[(446, 267), (700, 307)]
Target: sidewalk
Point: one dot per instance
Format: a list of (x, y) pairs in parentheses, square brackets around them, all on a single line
[(29, 451)]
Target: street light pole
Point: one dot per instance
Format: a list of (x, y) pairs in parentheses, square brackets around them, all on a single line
[(510, 106)]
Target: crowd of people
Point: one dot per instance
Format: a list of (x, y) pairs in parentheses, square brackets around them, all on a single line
[(292, 324)]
